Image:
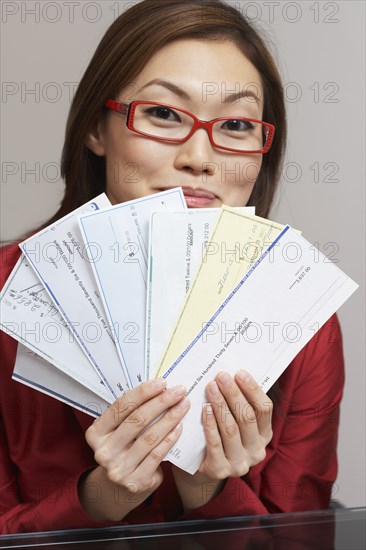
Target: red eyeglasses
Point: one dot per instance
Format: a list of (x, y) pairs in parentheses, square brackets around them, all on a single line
[(167, 123)]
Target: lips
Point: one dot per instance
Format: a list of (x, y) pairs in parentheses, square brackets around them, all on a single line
[(199, 193), (197, 197)]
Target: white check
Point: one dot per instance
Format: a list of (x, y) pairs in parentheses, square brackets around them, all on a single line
[(30, 316), (118, 239), (262, 325), (35, 372), (62, 263)]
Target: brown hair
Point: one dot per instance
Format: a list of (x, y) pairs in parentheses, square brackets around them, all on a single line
[(125, 49)]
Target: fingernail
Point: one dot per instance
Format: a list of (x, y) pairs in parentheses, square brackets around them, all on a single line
[(244, 376), (177, 391), (223, 378), (159, 383), (183, 404), (175, 432), (214, 389), (178, 428)]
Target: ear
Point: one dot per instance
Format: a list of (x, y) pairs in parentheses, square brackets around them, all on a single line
[(95, 140)]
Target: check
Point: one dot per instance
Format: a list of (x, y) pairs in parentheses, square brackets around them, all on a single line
[(118, 238), (174, 257), (237, 241), (30, 316), (63, 265), (35, 372), (276, 308)]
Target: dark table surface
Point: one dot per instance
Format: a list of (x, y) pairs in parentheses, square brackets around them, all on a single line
[(339, 529)]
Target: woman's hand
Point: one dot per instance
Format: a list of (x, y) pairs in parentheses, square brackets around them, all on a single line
[(237, 426), (129, 451)]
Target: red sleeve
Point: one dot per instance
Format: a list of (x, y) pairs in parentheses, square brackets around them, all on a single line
[(301, 463), (58, 509)]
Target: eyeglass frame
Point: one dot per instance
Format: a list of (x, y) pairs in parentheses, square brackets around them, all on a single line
[(128, 109)]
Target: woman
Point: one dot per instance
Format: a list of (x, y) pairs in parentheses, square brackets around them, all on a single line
[(174, 61)]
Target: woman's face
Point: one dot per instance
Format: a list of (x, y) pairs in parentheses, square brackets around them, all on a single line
[(210, 80)]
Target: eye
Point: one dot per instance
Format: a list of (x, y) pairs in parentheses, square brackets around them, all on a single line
[(163, 113), (236, 125)]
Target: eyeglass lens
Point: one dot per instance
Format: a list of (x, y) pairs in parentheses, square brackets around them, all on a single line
[(167, 123)]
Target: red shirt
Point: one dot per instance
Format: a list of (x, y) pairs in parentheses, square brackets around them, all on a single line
[(43, 452)]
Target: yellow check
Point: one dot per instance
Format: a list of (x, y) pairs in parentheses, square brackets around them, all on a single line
[(237, 241)]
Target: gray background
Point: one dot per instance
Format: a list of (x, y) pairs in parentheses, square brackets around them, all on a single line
[(320, 49)]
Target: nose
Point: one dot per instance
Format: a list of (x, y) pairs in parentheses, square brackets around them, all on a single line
[(196, 154)]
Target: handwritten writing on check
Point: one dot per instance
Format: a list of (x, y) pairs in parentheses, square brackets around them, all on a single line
[(29, 315)]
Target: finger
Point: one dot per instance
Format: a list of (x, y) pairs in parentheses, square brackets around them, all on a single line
[(226, 422), (259, 401), (124, 405), (120, 451), (215, 456), (140, 418), (242, 410), (145, 471), (157, 432)]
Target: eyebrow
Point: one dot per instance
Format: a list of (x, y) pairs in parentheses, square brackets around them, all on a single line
[(229, 98), (169, 85)]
